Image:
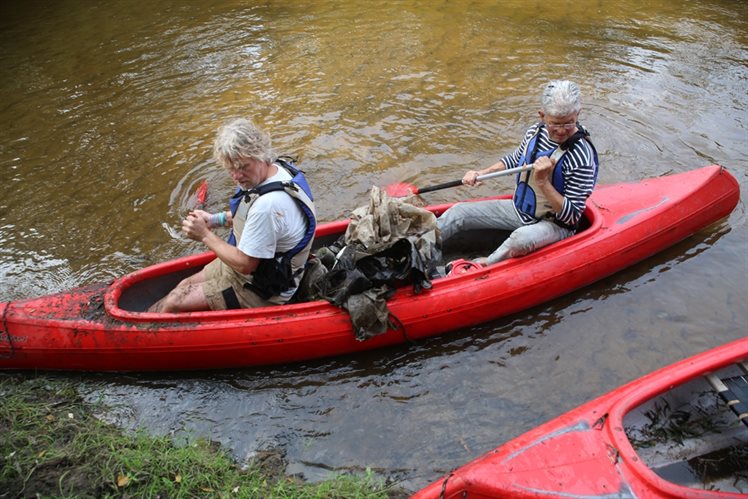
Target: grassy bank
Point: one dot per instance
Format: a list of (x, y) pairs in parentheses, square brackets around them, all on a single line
[(51, 445)]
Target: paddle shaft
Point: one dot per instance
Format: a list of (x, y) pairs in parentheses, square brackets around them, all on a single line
[(479, 178)]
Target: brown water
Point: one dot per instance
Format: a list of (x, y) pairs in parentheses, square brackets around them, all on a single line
[(109, 110)]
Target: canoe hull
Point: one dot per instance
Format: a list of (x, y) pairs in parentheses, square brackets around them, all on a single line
[(88, 328), (586, 452)]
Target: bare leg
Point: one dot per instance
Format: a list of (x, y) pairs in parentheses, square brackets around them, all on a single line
[(187, 296)]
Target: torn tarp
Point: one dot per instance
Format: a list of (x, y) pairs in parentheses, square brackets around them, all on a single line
[(388, 243)]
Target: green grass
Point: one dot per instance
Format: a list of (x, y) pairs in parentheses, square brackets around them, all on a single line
[(51, 445)]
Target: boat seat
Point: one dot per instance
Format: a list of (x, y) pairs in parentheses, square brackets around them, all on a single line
[(734, 391)]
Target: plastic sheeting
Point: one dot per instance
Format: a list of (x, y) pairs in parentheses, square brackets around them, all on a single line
[(389, 242)]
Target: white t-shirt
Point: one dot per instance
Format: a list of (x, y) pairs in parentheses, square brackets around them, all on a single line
[(275, 223)]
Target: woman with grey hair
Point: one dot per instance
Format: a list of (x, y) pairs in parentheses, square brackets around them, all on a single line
[(549, 199), (272, 218)]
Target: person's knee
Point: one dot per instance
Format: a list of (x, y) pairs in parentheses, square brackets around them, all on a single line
[(169, 304), (173, 302), (519, 244), (451, 221)]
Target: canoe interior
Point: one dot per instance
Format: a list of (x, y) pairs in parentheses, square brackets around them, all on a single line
[(690, 437), (142, 294), (470, 244)]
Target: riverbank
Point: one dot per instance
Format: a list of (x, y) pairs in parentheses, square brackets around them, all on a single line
[(53, 445)]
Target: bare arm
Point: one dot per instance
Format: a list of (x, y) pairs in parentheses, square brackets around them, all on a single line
[(196, 228), (229, 221)]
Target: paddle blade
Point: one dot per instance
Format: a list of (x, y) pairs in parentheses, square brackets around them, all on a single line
[(202, 194), (400, 190)]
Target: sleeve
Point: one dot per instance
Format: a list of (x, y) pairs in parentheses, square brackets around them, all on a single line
[(579, 181)]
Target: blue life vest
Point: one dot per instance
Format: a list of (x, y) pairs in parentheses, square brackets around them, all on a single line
[(274, 275), (525, 198), (298, 180)]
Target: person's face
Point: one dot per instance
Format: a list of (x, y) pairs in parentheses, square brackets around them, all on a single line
[(560, 128), (247, 173)]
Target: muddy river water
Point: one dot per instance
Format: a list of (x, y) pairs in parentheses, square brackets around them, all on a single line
[(108, 113)]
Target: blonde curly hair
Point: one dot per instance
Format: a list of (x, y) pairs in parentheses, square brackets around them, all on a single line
[(241, 139)]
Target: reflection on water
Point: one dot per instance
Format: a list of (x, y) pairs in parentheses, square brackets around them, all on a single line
[(109, 111)]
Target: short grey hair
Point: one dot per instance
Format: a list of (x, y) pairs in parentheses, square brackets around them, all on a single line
[(561, 97), (241, 139)]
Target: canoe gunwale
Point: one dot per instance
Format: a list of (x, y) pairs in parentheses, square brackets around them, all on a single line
[(314, 308)]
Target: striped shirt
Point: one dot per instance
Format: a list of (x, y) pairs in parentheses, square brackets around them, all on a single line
[(578, 170)]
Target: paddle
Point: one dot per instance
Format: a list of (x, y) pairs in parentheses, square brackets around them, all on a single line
[(403, 189), (201, 195)]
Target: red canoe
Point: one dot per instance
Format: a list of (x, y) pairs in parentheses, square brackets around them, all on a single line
[(103, 327), (670, 434)]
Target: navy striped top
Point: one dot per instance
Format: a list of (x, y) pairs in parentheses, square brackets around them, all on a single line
[(578, 169)]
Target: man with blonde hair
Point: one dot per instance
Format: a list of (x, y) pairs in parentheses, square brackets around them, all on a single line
[(550, 198), (272, 218)]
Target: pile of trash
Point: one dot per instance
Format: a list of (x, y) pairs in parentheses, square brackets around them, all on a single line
[(389, 243)]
